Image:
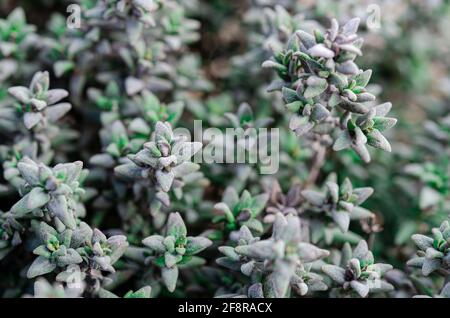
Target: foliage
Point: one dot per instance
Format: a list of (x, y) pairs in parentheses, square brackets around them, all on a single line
[(95, 120)]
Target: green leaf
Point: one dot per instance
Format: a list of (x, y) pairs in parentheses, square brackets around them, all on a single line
[(40, 266), (363, 78), (316, 86), (170, 277), (176, 226), (383, 123), (195, 245), (289, 95), (62, 67)]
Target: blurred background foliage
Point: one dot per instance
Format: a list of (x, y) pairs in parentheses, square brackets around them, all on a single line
[(409, 55)]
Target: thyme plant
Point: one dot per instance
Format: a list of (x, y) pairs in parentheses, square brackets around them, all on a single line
[(99, 146)]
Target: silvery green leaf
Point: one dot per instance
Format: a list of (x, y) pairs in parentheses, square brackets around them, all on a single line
[(353, 107), (346, 206), (98, 236), (280, 226), (384, 123), (185, 168), (276, 85), (36, 198), (344, 141), (197, 244), (103, 293), (355, 267), (7, 48), (170, 260), (168, 161), (359, 213), (133, 85), (366, 121), (446, 291), (118, 244), (175, 225), (163, 197), (260, 250), (247, 268), (362, 152), (143, 292), (255, 225), (103, 160), (362, 194), (333, 191), (165, 179), (319, 50), (170, 276), (42, 250), (382, 287), (310, 253), (229, 252), (225, 210), (289, 95), (256, 291), (31, 119), (72, 257), (377, 140), (313, 197), (361, 288), (300, 125), (55, 112), (307, 39), (155, 242), (21, 93), (365, 97), (319, 113), (360, 137), (416, 262), (429, 197), (128, 170), (277, 283), (348, 68), (245, 234), (163, 131), (383, 109), (259, 203), (422, 242), (351, 27), (316, 86), (104, 262), (361, 250), (38, 104), (58, 207), (380, 268), (363, 78), (431, 253), (147, 157), (140, 126), (82, 234), (351, 49), (30, 172), (342, 219), (62, 67), (40, 266), (229, 263), (73, 170), (336, 273), (340, 81), (40, 81), (274, 65)]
